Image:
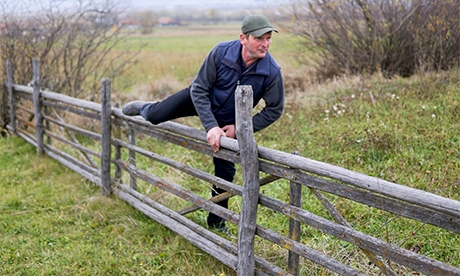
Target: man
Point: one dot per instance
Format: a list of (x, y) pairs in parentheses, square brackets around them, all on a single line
[(211, 95)]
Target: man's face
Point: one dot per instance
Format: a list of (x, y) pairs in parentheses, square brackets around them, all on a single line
[(256, 47)]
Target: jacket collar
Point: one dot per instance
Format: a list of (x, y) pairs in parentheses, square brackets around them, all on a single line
[(234, 54)]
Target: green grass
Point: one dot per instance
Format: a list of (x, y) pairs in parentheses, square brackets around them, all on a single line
[(401, 130), (52, 222)]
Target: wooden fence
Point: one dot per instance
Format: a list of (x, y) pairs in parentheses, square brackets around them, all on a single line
[(36, 116)]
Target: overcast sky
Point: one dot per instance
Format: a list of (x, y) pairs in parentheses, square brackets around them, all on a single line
[(158, 4), (151, 4)]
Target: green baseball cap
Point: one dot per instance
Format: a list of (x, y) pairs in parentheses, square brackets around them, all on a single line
[(256, 25)]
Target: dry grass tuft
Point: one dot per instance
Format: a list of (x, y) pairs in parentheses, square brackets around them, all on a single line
[(153, 90)]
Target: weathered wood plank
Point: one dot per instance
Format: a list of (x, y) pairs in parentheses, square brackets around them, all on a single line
[(376, 260), (389, 251), (60, 98), (306, 252), (23, 95), (87, 133), (73, 160), (72, 101), (220, 197), (226, 244), (117, 148), (189, 234), (37, 107), (394, 206), (250, 166), (106, 148), (22, 108), (94, 178), (75, 144), (295, 199), (186, 142), (23, 89), (47, 123), (27, 136), (68, 108), (89, 173), (180, 192), (27, 123), (227, 143), (379, 186), (132, 158), (219, 182)]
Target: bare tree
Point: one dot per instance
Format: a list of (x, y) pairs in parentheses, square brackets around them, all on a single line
[(147, 20)]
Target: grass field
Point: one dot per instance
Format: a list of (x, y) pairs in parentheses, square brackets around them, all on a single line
[(401, 130), (171, 56)]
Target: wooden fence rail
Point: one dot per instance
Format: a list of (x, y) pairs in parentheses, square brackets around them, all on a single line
[(110, 161)]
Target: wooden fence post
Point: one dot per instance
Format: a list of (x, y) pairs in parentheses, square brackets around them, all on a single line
[(47, 125), (250, 165), (117, 134), (295, 198), (4, 105), (37, 106), (132, 158), (106, 137), (9, 75)]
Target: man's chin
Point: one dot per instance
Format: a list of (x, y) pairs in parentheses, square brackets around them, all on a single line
[(261, 55)]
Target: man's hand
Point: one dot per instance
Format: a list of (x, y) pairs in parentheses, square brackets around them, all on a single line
[(229, 131), (214, 137)]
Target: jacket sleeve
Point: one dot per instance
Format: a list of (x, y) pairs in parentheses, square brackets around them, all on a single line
[(201, 86), (274, 104)]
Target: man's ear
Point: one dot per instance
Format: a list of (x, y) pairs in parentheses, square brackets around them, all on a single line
[(242, 38)]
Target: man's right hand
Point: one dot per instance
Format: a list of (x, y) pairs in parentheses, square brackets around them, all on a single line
[(213, 137)]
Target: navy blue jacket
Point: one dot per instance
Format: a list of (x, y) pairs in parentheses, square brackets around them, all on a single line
[(213, 88)]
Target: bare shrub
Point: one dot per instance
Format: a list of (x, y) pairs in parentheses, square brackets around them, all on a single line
[(75, 41), (394, 37), (298, 80)]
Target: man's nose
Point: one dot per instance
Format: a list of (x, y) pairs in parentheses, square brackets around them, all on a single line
[(265, 42)]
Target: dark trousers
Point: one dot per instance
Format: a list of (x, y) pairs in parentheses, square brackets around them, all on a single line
[(225, 170), (180, 105)]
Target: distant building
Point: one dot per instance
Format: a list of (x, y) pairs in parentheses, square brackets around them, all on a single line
[(167, 21), (129, 23)]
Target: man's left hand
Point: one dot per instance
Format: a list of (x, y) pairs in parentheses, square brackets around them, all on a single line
[(229, 131)]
